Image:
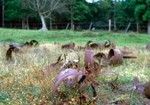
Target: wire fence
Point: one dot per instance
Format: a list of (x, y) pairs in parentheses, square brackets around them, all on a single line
[(99, 25)]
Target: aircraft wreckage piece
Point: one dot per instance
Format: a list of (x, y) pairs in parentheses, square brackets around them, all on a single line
[(141, 88), (68, 76), (115, 57), (68, 46)]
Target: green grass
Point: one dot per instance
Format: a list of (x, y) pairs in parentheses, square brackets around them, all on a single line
[(64, 36), (22, 82)]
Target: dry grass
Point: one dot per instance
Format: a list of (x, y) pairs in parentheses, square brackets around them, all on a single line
[(22, 81)]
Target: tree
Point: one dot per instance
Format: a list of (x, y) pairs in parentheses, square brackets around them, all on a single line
[(124, 12), (142, 12), (17, 10), (12, 10), (2, 3), (71, 6), (26, 13), (45, 8), (81, 11), (1, 12)]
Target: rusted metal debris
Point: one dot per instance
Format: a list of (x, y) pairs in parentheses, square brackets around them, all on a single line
[(94, 45), (80, 77), (141, 88), (54, 66), (31, 43), (88, 58), (68, 46), (102, 59), (9, 52), (15, 47), (148, 46), (147, 90), (114, 83), (115, 57), (64, 61), (83, 77), (69, 76)]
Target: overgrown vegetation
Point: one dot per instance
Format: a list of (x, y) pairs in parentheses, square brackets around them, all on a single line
[(22, 81)]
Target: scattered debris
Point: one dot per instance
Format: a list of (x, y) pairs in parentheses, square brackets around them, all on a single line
[(148, 46), (115, 57), (142, 88), (68, 46), (9, 52)]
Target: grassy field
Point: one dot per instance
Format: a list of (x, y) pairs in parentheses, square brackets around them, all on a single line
[(22, 81), (64, 36)]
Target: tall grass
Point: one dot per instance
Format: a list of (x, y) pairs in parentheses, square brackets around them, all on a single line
[(22, 81)]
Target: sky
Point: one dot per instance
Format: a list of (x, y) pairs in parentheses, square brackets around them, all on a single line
[(90, 1)]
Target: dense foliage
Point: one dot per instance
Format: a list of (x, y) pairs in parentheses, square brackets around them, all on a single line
[(122, 12)]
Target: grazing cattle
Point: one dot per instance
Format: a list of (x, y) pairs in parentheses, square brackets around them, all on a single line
[(68, 46)]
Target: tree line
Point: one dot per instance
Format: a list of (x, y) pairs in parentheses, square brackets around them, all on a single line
[(73, 11)]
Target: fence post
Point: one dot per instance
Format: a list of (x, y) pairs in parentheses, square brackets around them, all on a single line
[(129, 24), (90, 26), (137, 27), (148, 27), (67, 26), (109, 25)]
